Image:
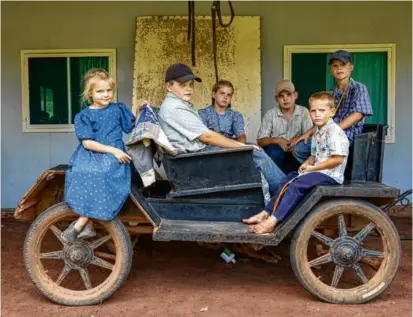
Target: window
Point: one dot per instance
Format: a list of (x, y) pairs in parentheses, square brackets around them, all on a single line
[(374, 66), (52, 85)]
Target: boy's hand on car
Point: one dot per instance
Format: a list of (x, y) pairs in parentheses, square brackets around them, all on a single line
[(122, 156), (254, 146)]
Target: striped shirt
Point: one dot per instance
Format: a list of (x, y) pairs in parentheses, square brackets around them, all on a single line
[(327, 141), (276, 125)]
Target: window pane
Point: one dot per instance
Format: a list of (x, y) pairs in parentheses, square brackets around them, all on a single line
[(79, 66), (371, 69), (48, 102), (308, 75)]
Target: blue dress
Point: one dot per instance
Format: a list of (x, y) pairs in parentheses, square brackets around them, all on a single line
[(96, 184)]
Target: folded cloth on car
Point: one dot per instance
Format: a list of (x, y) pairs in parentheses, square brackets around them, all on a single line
[(147, 130)]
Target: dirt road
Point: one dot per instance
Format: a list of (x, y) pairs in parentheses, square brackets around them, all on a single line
[(181, 279)]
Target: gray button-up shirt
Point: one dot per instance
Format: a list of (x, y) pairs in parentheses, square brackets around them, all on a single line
[(181, 124), (276, 125)]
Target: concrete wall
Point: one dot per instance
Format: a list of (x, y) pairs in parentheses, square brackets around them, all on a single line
[(41, 25)]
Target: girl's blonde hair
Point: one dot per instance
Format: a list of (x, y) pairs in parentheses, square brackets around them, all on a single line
[(323, 95), (219, 84), (91, 78)]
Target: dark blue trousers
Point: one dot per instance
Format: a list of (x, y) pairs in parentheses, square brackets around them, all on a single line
[(296, 191), (300, 151)]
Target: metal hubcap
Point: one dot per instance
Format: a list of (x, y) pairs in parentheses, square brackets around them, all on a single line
[(345, 251), (78, 255)]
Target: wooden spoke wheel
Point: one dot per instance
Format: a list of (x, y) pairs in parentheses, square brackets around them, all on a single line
[(81, 273), (355, 267)]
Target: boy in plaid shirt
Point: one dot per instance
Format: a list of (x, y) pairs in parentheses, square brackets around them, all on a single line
[(351, 98), (325, 166)]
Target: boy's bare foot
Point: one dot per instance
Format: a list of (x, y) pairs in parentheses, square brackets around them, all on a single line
[(266, 226), (256, 218)]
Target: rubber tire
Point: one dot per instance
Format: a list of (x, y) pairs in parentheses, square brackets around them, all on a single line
[(63, 295), (360, 294)]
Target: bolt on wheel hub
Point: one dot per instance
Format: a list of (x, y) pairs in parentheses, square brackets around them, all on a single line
[(78, 255), (346, 251)]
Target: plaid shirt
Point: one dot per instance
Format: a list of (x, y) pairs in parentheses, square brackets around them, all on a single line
[(327, 141), (356, 100)]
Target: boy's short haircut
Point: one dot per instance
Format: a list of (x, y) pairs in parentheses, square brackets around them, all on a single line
[(322, 95)]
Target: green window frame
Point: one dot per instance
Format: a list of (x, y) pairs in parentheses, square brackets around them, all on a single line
[(313, 74), (52, 84)]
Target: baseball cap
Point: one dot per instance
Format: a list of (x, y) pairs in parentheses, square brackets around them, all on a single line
[(341, 55), (180, 73), (284, 85)]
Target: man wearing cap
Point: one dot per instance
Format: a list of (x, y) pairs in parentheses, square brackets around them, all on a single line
[(352, 101), (187, 133), (284, 124)]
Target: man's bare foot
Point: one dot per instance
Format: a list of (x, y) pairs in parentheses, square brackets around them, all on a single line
[(256, 218), (266, 226)]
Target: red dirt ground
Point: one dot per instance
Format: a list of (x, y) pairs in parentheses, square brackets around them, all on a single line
[(179, 279)]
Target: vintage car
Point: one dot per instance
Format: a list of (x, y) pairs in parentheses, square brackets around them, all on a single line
[(335, 231)]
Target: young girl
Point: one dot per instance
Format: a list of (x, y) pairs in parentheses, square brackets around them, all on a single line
[(219, 117), (98, 180)]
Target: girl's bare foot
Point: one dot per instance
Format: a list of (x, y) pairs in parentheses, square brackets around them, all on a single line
[(266, 226), (256, 218)]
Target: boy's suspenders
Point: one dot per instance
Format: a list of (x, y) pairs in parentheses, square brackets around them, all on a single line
[(342, 97)]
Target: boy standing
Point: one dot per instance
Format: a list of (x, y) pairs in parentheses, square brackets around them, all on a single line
[(325, 166), (284, 124), (186, 131)]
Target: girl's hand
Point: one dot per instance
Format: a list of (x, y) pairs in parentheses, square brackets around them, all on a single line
[(122, 156), (140, 106)]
